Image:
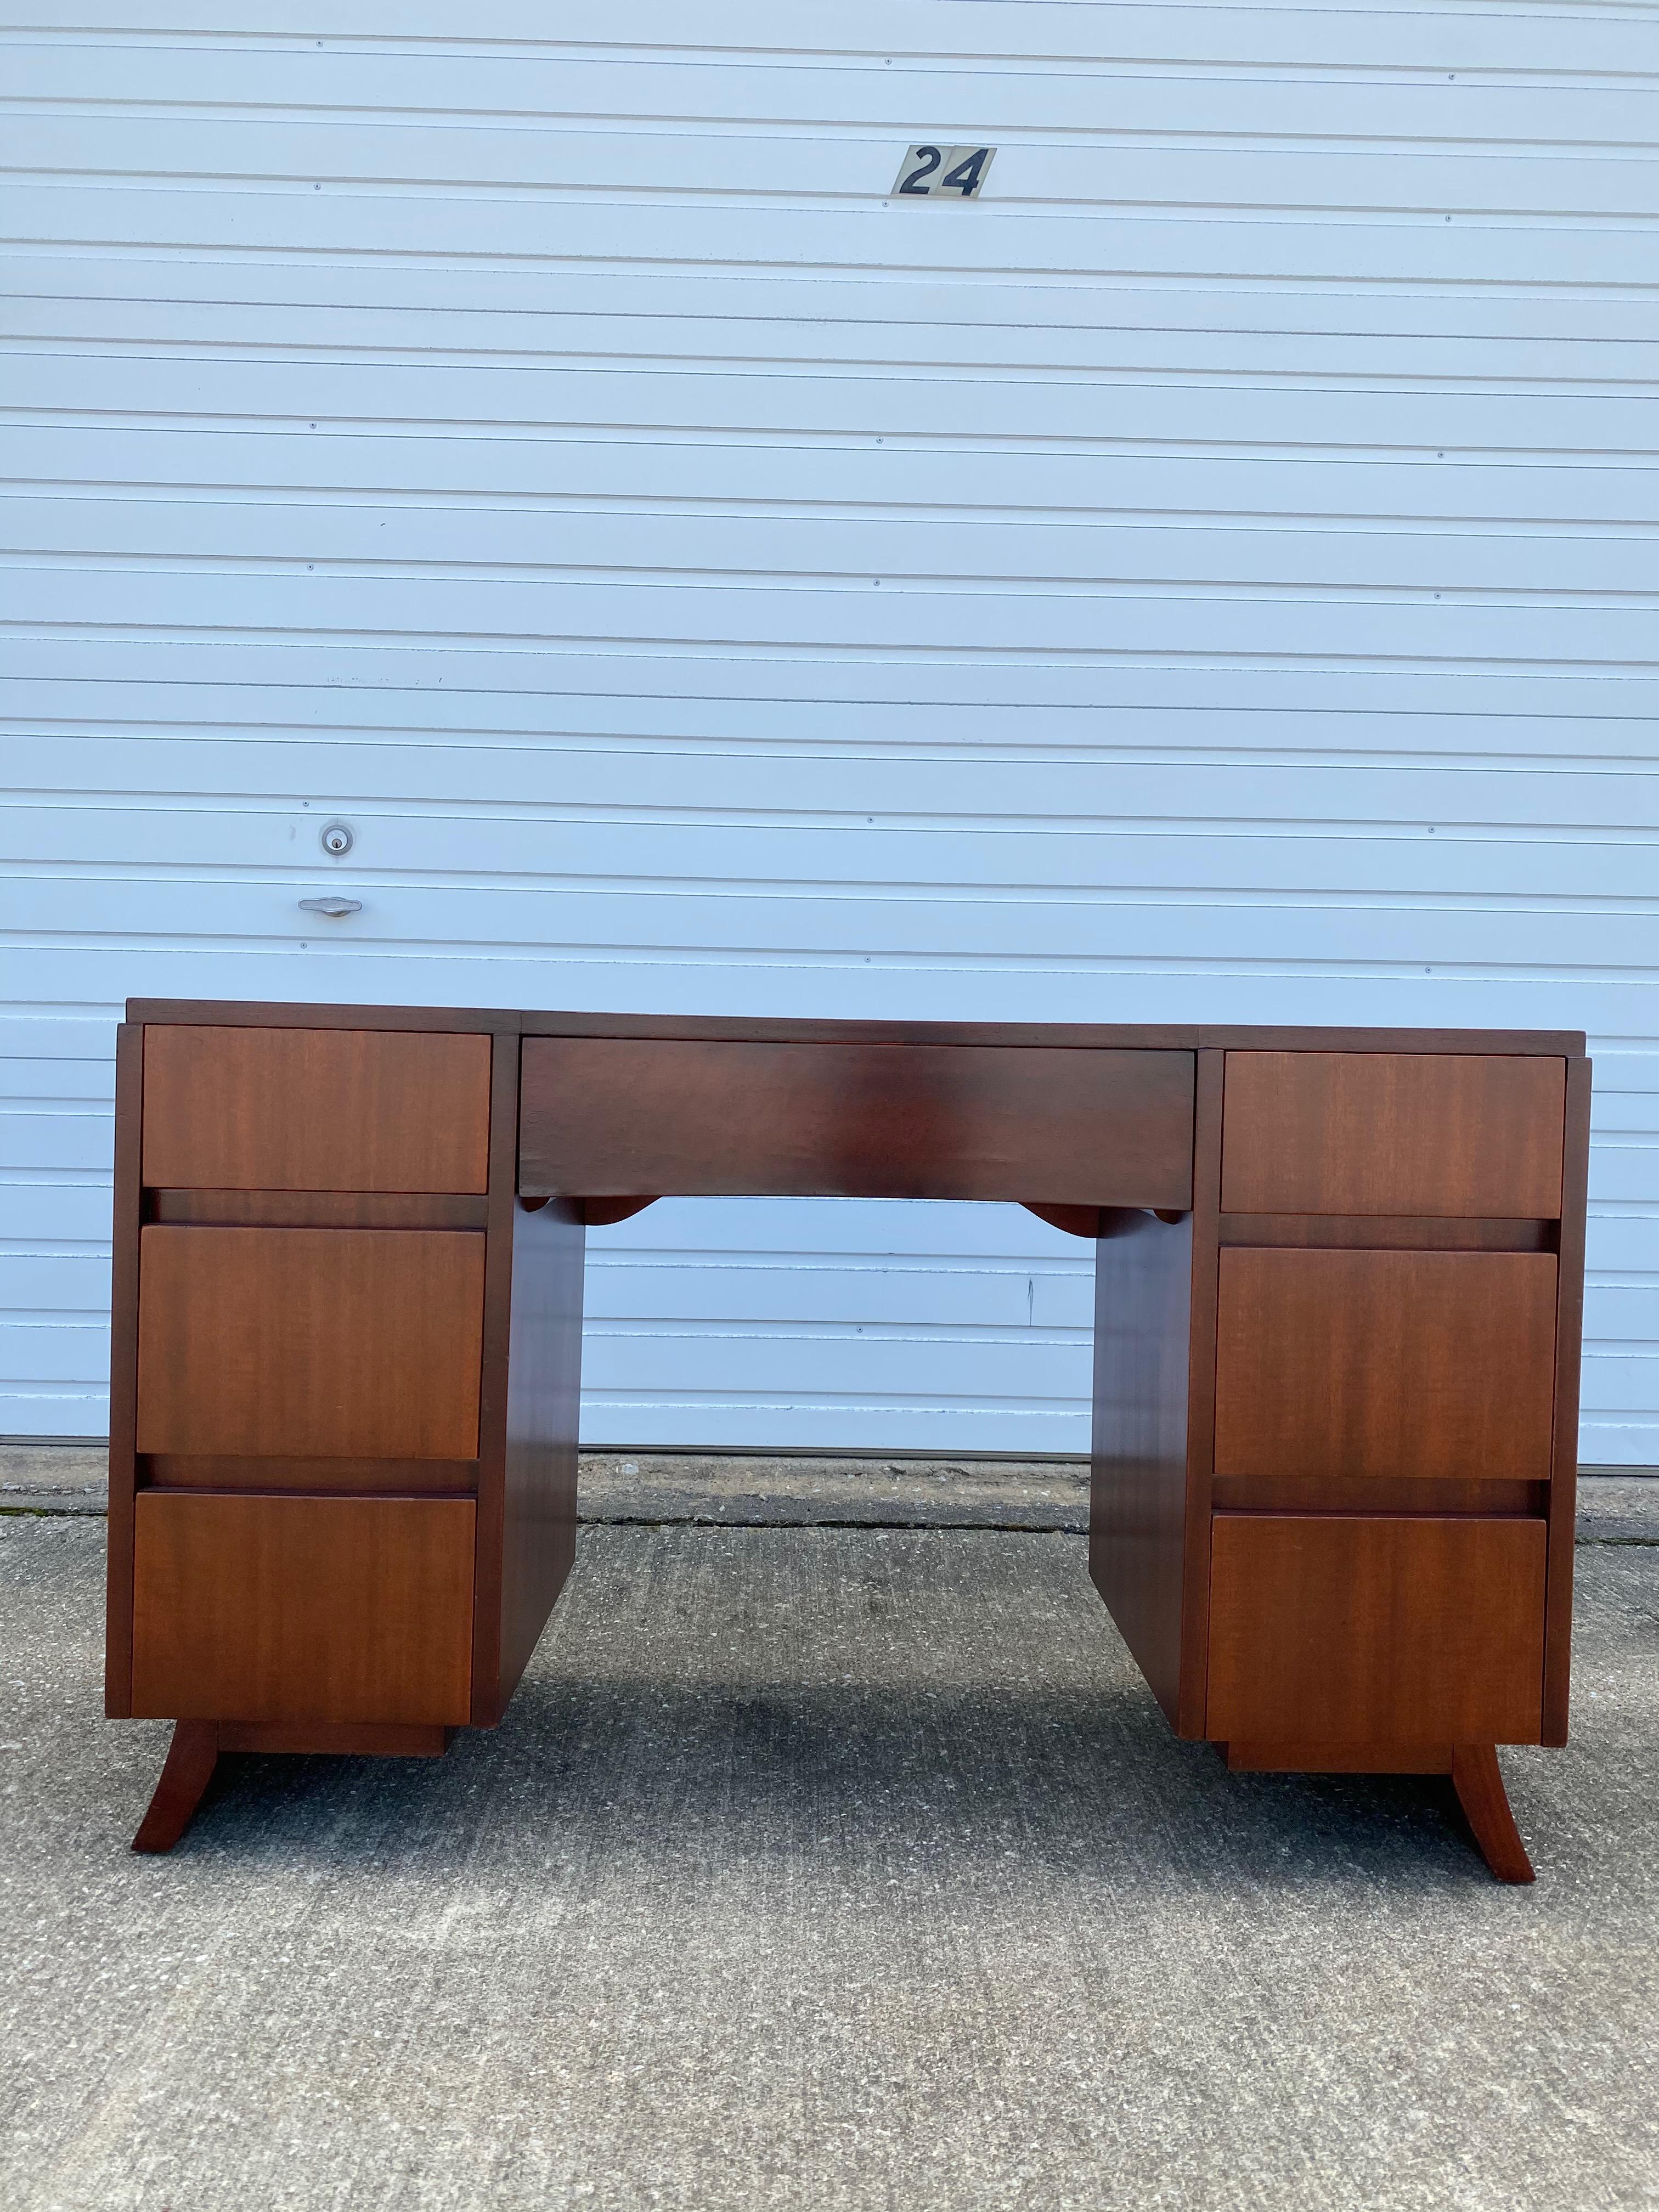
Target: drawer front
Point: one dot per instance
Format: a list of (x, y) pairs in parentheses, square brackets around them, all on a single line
[(331, 1343), (1364, 1364), (1433, 1133), (1328, 1628), (315, 1109), (303, 1608), (613, 1116)]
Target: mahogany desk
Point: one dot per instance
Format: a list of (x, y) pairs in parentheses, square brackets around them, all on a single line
[(1339, 1279)]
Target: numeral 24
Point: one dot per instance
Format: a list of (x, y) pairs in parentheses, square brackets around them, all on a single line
[(963, 179)]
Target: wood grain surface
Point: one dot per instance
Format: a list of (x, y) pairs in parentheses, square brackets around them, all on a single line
[(344, 1478), (191, 1757), (337, 1343), (122, 1370), (1155, 1036), (606, 1117), (1201, 1392), (1332, 1628), (1570, 1332), (1345, 1363), (544, 1410), (1389, 1232), (1138, 1471), (1478, 1781), (314, 1109), (303, 1608), (315, 1209), (1393, 1134)]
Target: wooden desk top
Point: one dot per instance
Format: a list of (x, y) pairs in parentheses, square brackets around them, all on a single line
[(1172, 1036)]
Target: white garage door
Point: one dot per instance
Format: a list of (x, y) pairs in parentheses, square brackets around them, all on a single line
[(1209, 576)]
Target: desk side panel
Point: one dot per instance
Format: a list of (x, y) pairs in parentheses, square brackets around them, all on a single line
[(544, 1405), (124, 1369), (1137, 1475), (1569, 1352)]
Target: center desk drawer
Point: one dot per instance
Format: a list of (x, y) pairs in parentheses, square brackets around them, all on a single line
[(326, 1343), (336, 1609), (662, 1116)]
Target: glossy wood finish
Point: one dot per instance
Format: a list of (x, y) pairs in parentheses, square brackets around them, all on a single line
[(1349, 1364), (1139, 1037), (490, 1569), (1137, 1471), (1332, 1628), (194, 1753), (1378, 1232), (1151, 1037), (317, 1477), (312, 1209), (340, 1343), (1569, 1325), (1476, 1778), (1302, 1756), (1074, 1220), (315, 1109), (1250, 1360), (613, 1117), (292, 1609), (603, 1213), (340, 1739), (1201, 1395), (1387, 1493), (542, 1418), (1478, 1781), (1392, 1132), (191, 1757), (122, 1370)]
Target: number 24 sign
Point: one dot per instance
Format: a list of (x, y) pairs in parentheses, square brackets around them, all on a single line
[(943, 172)]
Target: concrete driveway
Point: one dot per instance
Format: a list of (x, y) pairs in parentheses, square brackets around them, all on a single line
[(819, 1867)]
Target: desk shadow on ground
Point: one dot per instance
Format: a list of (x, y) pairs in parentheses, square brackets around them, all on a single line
[(892, 1706), (832, 1868)]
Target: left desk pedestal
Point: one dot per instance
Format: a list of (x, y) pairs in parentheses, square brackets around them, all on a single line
[(336, 1525)]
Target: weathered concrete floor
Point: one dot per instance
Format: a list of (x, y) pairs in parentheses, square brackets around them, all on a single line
[(799, 1489), (818, 1868)]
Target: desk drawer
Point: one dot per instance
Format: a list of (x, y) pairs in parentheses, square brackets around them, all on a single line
[(368, 1110), (1332, 1628), (1359, 1365), (303, 1608), (326, 1343), (658, 1117), (1392, 1133)]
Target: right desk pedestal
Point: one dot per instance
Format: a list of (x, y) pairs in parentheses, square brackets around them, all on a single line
[(1335, 1416)]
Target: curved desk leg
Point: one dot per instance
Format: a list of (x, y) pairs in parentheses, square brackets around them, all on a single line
[(1478, 1781), (191, 1757)]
